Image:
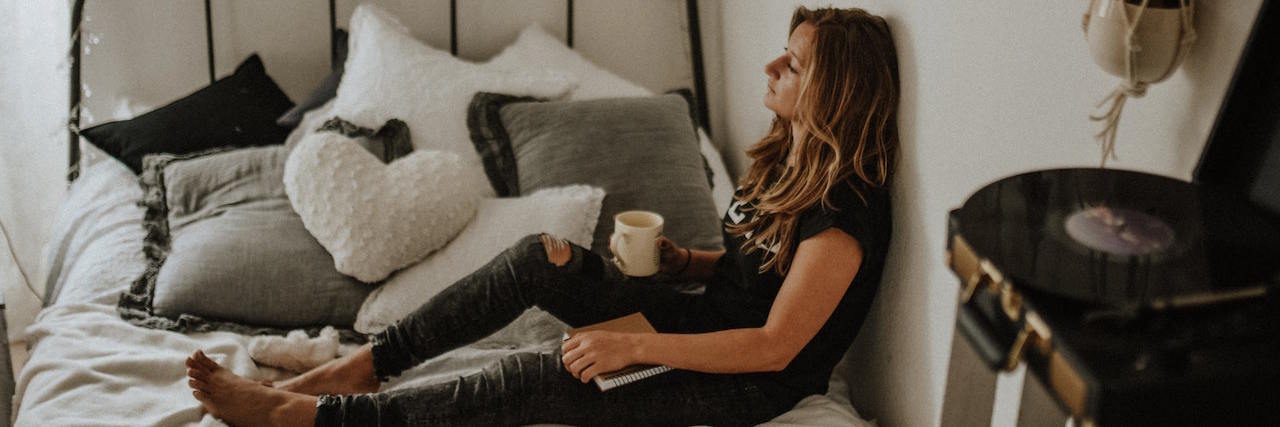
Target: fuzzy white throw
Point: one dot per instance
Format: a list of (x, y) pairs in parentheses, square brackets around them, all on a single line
[(296, 351)]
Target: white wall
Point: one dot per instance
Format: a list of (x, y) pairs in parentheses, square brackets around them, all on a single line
[(990, 89), (33, 140), (153, 51)]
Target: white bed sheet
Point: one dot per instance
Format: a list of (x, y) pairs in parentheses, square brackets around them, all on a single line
[(87, 367)]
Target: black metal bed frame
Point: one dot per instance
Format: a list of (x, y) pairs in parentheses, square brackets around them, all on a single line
[(77, 14)]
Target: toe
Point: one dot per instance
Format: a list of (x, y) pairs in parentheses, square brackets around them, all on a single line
[(198, 360), (198, 385), (205, 361), (201, 396), (197, 373)]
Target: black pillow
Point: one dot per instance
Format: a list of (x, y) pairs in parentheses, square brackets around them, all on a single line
[(326, 90), (239, 110)]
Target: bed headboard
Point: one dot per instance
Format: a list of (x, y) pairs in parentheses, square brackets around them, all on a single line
[(77, 21)]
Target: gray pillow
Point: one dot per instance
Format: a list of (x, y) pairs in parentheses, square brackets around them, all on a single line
[(642, 151), (230, 253)]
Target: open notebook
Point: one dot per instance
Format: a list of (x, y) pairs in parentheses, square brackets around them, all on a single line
[(632, 323)]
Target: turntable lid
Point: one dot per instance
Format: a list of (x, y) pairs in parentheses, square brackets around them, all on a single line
[(1242, 154)]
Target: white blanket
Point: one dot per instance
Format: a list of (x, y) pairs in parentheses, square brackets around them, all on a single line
[(87, 367)]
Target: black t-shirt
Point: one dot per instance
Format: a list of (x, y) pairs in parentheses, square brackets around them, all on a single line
[(743, 296)]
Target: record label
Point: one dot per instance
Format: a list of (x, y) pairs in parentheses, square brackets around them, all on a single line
[(1119, 231)]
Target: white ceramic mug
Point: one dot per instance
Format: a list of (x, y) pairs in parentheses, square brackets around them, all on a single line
[(634, 242)]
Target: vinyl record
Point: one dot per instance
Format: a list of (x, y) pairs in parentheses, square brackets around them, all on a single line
[(1120, 238)]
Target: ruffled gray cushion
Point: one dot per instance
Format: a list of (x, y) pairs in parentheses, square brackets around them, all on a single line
[(229, 253)]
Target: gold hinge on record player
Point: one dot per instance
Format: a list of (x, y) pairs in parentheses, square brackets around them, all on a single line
[(979, 274), (972, 270), (1034, 333)]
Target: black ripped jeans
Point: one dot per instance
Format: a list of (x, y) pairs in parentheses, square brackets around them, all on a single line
[(527, 388)]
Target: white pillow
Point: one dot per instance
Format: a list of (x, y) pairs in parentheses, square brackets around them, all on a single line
[(376, 218), (391, 75), (569, 212), (535, 49)]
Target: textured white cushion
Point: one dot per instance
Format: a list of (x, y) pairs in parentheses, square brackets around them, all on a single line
[(391, 75), (569, 212), (376, 218), (535, 49)]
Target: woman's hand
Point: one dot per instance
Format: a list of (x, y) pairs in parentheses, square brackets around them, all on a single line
[(592, 353), (672, 259)]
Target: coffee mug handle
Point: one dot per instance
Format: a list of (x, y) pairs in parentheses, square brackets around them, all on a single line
[(614, 242)]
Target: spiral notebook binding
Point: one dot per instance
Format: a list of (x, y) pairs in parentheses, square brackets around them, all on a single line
[(624, 378)]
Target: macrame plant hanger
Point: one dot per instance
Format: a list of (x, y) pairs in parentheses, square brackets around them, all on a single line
[(1132, 86)]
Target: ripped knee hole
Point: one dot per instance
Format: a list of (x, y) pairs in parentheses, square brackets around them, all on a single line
[(558, 250)]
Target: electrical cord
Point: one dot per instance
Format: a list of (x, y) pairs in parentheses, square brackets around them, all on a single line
[(13, 254)]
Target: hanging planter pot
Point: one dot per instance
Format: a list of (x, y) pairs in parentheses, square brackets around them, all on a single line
[(1140, 41)]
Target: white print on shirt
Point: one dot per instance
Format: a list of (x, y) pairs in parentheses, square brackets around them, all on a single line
[(736, 215)]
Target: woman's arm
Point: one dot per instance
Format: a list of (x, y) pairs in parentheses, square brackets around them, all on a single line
[(697, 264), (683, 263), (821, 271)]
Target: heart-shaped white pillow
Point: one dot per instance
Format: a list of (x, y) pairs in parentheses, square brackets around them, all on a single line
[(376, 218)]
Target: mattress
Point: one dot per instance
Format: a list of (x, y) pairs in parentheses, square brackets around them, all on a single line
[(87, 367)]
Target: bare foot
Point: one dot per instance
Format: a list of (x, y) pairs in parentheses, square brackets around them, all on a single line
[(351, 374), (243, 402)]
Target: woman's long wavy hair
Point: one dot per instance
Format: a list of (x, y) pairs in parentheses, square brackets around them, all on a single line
[(848, 109)]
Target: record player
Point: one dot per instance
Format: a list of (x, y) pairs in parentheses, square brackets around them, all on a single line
[(1136, 298)]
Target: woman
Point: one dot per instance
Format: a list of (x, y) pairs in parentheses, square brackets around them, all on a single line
[(806, 238)]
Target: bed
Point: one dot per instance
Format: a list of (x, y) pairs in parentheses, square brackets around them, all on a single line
[(94, 362)]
